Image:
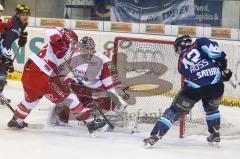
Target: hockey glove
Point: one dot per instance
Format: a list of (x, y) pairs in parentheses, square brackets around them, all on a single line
[(123, 93), (226, 74), (22, 39), (222, 61), (117, 99)]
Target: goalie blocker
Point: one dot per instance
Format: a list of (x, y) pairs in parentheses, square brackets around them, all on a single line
[(204, 68)]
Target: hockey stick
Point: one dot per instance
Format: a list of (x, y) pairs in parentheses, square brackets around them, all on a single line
[(31, 126), (71, 69), (7, 104), (15, 56), (103, 115)]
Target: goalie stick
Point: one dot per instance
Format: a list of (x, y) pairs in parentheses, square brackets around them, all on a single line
[(31, 126), (103, 115)]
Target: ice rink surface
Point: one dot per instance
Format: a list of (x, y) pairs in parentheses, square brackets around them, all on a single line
[(76, 143)]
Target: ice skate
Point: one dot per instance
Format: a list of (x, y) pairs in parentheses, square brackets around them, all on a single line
[(13, 123), (214, 140), (149, 142)]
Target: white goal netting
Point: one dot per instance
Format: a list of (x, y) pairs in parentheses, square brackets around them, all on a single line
[(149, 67)]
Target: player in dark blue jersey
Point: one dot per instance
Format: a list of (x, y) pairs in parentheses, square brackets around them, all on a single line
[(16, 31), (204, 68)]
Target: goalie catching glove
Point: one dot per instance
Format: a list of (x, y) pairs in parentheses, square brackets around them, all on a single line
[(118, 96)]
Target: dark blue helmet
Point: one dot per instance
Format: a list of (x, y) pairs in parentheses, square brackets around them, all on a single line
[(182, 42)]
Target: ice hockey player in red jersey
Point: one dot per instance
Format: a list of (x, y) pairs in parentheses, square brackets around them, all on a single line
[(41, 78), (94, 82)]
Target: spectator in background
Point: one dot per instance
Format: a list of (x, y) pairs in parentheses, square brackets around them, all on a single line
[(3, 25)]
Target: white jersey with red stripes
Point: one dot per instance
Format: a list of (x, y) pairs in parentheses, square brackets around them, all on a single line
[(52, 55), (96, 72)]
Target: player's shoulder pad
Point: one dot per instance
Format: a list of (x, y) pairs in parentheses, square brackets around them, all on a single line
[(205, 41), (48, 33), (103, 57), (209, 47)]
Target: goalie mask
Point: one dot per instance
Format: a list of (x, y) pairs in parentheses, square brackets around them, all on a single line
[(182, 42), (87, 45)]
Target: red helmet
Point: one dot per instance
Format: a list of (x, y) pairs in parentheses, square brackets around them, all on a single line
[(69, 35), (63, 42)]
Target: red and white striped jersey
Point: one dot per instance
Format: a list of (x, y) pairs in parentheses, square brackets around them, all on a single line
[(54, 53), (96, 72)]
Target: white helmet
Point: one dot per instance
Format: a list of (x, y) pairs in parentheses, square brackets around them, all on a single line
[(1, 8)]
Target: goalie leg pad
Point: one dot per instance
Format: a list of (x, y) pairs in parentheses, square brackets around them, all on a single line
[(63, 113), (81, 113), (182, 103)]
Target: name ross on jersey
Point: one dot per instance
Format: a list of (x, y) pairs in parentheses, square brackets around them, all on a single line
[(208, 72), (198, 66)]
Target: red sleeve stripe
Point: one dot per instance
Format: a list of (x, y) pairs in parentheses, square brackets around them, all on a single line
[(107, 82), (23, 108), (77, 109), (110, 86), (105, 73), (19, 115)]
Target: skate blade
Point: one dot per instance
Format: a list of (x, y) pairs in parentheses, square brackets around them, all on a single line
[(100, 131), (35, 126), (214, 144), (29, 126)]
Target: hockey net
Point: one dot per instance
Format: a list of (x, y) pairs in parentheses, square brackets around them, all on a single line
[(149, 68)]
